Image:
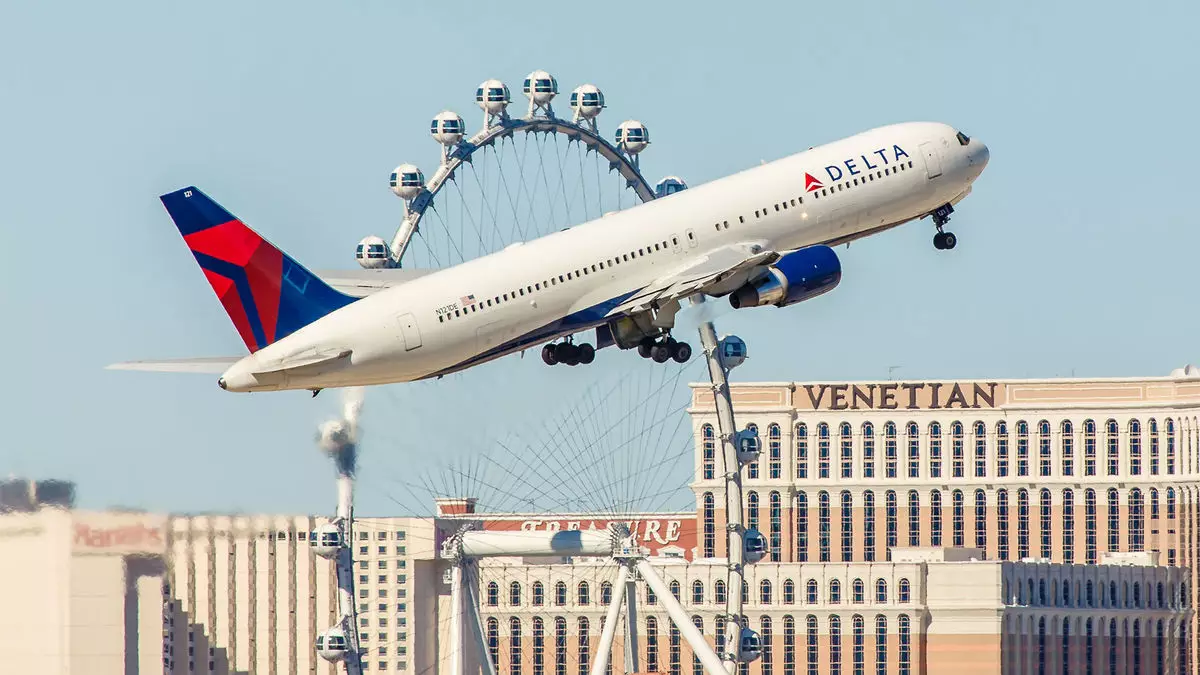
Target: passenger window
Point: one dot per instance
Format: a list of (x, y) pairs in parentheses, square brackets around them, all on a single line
[(441, 319), (456, 312), (794, 201), (776, 208), (910, 163), (741, 219), (756, 214), (537, 286), (529, 288), (560, 278), (727, 224)]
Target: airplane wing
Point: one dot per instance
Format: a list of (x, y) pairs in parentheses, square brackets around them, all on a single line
[(361, 283), (207, 364), (712, 268)]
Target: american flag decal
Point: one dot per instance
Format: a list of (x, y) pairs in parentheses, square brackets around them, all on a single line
[(467, 300)]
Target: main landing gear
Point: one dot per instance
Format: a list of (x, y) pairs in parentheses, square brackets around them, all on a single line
[(568, 353), (662, 350), (943, 241)]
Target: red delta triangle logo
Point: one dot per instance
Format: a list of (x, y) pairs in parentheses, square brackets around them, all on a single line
[(811, 184)]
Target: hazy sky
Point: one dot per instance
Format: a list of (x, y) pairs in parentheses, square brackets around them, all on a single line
[(1077, 249)]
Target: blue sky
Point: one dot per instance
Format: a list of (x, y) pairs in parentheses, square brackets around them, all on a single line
[(1076, 251)]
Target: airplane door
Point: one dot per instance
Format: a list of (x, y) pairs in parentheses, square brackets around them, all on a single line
[(675, 243), (933, 161), (410, 332)]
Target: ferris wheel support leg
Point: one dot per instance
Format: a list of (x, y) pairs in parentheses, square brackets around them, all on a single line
[(726, 428), (475, 621), (345, 572), (631, 625), (708, 657), (457, 633), (604, 651)]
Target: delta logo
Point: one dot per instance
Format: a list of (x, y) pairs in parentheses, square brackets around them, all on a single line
[(854, 166), (811, 184)]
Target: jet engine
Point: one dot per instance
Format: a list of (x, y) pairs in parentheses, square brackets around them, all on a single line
[(796, 277)]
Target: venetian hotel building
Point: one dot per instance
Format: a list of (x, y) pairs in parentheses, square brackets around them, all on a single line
[(1055, 473)]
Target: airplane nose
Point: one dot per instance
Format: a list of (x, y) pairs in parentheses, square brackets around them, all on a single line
[(979, 154)]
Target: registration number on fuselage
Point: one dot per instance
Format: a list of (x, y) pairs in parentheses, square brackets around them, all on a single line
[(447, 309)]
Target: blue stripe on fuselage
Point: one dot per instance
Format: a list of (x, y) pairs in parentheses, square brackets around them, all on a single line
[(572, 323)]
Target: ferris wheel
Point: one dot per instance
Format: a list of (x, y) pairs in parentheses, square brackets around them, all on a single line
[(516, 178), (520, 178)]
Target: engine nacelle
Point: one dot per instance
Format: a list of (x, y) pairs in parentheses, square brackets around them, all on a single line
[(796, 277)]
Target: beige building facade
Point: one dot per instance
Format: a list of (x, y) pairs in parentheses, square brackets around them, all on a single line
[(1046, 471)]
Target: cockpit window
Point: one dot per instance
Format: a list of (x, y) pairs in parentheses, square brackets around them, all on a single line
[(963, 139)]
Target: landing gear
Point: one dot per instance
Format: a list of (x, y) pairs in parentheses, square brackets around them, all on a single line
[(568, 353), (661, 351), (943, 241)]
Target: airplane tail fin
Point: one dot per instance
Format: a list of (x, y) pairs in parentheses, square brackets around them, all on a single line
[(266, 293)]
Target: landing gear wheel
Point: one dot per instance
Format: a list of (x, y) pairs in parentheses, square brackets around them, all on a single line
[(660, 353), (587, 353), (644, 348), (564, 352), (681, 352), (949, 241), (548, 355), (939, 241)]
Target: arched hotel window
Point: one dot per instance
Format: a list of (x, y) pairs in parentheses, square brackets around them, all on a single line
[(775, 517), (719, 592), (585, 645), (774, 451), (709, 443), (980, 450), (752, 509), (1113, 445), (1001, 449), (889, 449), (881, 593), (957, 518), (868, 433), (1068, 534), (801, 526), (752, 467), (801, 450), (697, 592), (1135, 448), (1043, 448), (651, 644), (823, 450), (493, 640), (493, 594), (914, 450), (835, 645), (881, 639), (514, 593), (789, 592), (539, 646), (708, 513), (764, 592), (584, 595), (869, 526), (935, 450), (1153, 429), (1022, 448), (847, 527), (1137, 521), (1089, 448), (1044, 506), (1114, 521), (892, 516), (914, 518), (905, 654), (835, 592), (764, 636), (789, 645), (560, 594), (823, 525), (859, 629), (1068, 448), (1002, 524), (905, 592), (810, 625), (857, 592), (810, 591), (1022, 523), (539, 594), (957, 451), (935, 518), (1089, 525), (980, 520), (1170, 446), (514, 646)]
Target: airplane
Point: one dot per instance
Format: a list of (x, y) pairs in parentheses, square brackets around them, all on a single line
[(762, 236)]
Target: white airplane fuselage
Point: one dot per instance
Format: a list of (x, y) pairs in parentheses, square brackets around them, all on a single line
[(532, 292)]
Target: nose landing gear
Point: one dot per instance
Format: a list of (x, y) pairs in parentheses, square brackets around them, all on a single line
[(943, 241), (661, 351), (568, 353)]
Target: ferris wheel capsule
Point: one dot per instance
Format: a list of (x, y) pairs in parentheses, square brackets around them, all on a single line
[(540, 87), (447, 128), (372, 253), (492, 97), (587, 101), (332, 644), (407, 181), (669, 186), (632, 136)]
